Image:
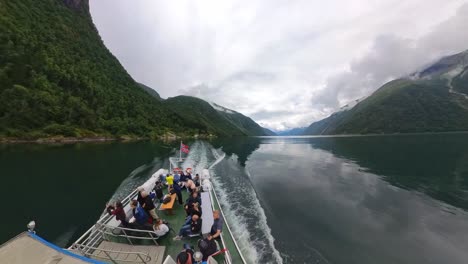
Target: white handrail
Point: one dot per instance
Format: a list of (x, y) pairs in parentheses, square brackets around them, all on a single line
[(125, 201), (139, 254), (152, 235)]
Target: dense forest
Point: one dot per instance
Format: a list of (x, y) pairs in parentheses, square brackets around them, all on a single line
[(215, 121), (58, 78)]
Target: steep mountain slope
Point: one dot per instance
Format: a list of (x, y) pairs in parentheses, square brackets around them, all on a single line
[(212, 118), (432, 100), (268, 132), (151, 91), (58, 78)]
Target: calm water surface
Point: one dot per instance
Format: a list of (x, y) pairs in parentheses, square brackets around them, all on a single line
[(381, 199)]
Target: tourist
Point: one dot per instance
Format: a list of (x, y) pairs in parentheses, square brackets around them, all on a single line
[(162, 178), (158, 189), (160, 229), (183, 177), (178, 191), (207, 247), (193, 210), (217, 226), (196, 180), (194, 227), (170, 180), (148, 205), (119, 212), (139, 214), (186, 255), (194, 198), (190, 185), (189, 175), (140, 198), (176, 176)]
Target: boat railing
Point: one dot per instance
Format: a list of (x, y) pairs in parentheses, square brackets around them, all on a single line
[(93, 236), (229, 259), (127, 233), (85, 249)]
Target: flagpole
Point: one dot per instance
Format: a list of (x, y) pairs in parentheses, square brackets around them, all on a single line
[(180, 151)]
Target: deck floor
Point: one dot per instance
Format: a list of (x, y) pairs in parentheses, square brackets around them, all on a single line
[(176, 221), (156, 253)]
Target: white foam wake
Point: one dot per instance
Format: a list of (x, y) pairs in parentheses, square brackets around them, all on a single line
[(253, 248), (241, 217)]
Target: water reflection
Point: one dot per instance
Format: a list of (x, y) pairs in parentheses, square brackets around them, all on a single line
[(339, 199), (65, 187)]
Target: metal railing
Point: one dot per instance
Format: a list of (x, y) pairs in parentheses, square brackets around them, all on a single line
[(127, 233), (145, 258), (91, 236)]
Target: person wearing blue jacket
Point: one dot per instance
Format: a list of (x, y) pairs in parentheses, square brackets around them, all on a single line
[(141, 217), (178, 191)]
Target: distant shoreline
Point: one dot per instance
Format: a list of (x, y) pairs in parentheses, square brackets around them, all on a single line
[(368, 135), (71, 140), (65, 140)]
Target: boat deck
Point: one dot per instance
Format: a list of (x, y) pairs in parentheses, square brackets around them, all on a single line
[(176, 221), (109, 237), (155, 253), (28, 248)]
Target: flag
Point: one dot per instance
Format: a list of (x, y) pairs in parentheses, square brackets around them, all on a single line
[(184, 148)]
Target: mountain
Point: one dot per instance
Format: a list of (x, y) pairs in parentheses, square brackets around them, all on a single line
[(211, 118), (57, 78), (268, 132), (434, 99), (151, 91), (292, 132)]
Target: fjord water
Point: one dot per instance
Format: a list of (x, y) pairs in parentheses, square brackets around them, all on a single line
[(64, 188), (376, 199)]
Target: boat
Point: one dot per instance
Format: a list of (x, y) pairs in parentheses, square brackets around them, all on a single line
[(107, 241)]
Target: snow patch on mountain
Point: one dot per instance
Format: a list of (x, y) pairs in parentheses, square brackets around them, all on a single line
[(454, 72), (351, 104), (220, 108)]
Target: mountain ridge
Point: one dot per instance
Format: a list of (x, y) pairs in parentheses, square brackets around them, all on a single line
[(58, 79), (434, 99)]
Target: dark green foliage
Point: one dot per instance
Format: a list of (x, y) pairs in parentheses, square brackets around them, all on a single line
[(207, 120), (58, 78), (401, 106), (151, 91)]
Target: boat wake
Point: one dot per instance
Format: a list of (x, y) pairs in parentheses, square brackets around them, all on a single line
[(136, 178), (239, 201), (236, 194)]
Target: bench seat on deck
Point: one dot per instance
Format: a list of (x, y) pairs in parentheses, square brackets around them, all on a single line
[(207, 215), (170, 205)]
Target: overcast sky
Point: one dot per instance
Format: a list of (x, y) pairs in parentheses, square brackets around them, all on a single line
[(284, 63)]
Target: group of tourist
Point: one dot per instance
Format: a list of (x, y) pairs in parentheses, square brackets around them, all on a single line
[(143, 213)]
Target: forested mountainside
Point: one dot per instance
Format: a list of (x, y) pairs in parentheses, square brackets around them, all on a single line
[(432, 100), (58, 78), (214, 118), (151, 91)]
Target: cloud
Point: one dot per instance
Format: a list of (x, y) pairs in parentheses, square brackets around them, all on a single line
[(392, 57), (283, 63)]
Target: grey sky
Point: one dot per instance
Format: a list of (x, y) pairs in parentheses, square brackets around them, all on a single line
[(283, 63)]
